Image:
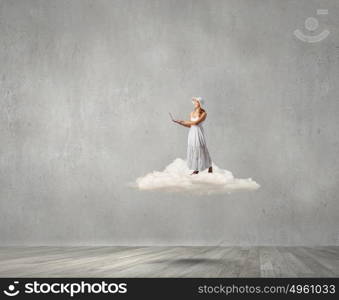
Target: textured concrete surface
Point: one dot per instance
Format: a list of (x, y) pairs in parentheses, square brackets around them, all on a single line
[(169, 261), (85, 90)]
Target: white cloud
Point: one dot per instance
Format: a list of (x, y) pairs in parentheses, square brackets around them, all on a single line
[(176, 177)]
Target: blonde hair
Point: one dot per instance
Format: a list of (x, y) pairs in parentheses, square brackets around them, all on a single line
[(201, 101)]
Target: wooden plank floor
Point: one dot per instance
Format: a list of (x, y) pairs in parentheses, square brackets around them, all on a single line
[(181, 261)]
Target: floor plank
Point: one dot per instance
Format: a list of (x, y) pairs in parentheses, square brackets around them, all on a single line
[(176, 261)]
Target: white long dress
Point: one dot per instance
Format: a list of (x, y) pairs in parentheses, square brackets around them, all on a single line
[(198, 157)]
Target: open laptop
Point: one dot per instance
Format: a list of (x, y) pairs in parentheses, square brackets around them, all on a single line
[(171, 117)]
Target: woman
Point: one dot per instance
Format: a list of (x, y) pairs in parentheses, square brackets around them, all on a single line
[(198, 157)]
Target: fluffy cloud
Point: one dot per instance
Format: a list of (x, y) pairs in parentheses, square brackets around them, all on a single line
[(176, 177)]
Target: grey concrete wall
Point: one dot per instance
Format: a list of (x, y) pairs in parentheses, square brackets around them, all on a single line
[(85, 88)]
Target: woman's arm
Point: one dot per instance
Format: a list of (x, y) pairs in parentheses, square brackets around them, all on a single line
[(201, 118), (183, 123), (190, 123), (186, 123)]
